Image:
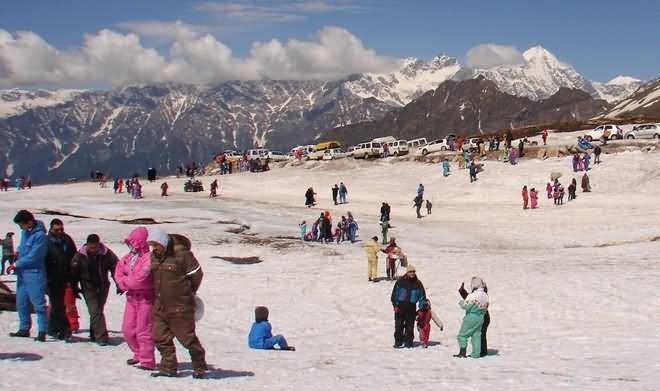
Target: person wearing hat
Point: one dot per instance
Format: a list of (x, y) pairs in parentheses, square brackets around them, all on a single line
[(475, 305), (91, 266), (30, 269), (177, 276), (372, 258), (7, 251), (475, 284), (407, 293)]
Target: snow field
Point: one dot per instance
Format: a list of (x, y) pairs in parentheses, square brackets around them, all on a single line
[(568, 284)]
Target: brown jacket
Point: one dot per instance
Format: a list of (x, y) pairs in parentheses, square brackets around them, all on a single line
[(177, 276)]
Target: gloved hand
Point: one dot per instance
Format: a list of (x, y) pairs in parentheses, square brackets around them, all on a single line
[(462, 285), (119, 291), (11, 268), (397, 310)]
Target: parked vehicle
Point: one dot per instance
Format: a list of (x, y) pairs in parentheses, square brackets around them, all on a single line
[(333, 153), (257, 153), (320, 148), (383, 140), (277, 156), (397, 147), (471, 144), (433, 146), (614, 132), (349, 151), (367, 150), (643, 131), (306, 149), (416, 143)]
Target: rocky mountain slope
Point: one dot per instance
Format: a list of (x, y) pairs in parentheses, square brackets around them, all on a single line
[(643, 103), (129, 129), (471, 107)]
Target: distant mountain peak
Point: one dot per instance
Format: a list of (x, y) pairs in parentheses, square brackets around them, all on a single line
[(622, 80), (538, 54)]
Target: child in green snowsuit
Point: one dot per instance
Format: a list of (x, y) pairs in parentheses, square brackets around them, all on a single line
[(475, 306)]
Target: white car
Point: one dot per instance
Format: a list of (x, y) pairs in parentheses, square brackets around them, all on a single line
[(433, 146), (614, 131), (257, 153), (367, 150), (333, 153), (644, 131), (416, 143), (349, 151), (277, 156), (397, 147), (471, 144)]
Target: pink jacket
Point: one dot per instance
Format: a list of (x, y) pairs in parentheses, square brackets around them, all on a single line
[(133, 271)]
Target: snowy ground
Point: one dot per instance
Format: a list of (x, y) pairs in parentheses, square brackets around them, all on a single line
[(574, 289)]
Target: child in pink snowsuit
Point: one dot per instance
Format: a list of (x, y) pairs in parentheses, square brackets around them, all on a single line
[(133, 275)]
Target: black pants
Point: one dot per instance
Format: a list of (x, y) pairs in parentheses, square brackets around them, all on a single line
[(484, 328), (95, 298), (404, 326), (419, 207), (58, 325)]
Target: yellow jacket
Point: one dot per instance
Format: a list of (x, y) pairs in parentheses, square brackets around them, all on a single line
[(372, 248)]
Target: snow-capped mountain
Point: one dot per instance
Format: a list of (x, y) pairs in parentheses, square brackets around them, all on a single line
[(16, 101), (645, 102), (617, 89), (470, 107), (538, 77), (413, 79), (127, 129)]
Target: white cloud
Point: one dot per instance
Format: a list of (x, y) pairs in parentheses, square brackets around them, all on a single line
[(492, 55), (168, 30), (273, 12), (113, 58)]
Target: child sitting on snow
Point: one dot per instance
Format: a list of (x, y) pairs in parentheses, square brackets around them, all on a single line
[(261, 336), (424, 317)]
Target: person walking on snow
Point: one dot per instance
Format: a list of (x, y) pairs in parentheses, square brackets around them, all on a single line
[(445, 167), (303, 230), (384, 228), (30, 270), (475, 305), (91, 266), (420, 190), (544, 136), (525, 197), (424, 317), (7, 251), (214, 189), (343, 192), (177, 276), (429, 206), (586, 158), (571, 190), (407, 293), (548, 189), (533, 197), (586, 186), (335, 192), (475, 284), (163, 189), (372, 258), (417, 203), (597, 152), (309, 198), (133, 276), (61, 250)]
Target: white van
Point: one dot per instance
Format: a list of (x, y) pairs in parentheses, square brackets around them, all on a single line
[(416, 143), (257, 153), (306, 149), (367, 150), (383, 140), (397, 147)]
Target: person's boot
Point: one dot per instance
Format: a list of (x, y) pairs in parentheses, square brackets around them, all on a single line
[(132, 361), (41, 337), (21, 334), (462, 353)]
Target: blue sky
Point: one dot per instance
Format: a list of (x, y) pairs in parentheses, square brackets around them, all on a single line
[(601, 39)]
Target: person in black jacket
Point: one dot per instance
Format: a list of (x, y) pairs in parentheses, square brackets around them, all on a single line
[(309, 198), (477, 283), (61, 249), (91, 266), (335, 192), (407, 293)]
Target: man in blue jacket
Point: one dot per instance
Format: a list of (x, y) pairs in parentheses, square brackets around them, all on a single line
[(407, 293), (30, 269)]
